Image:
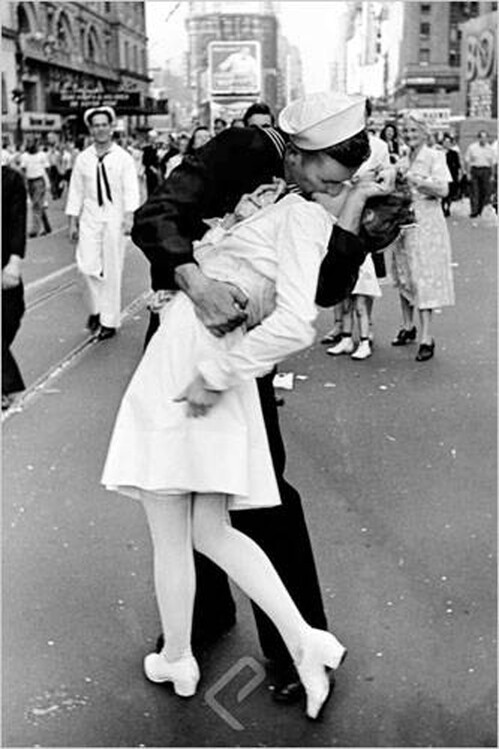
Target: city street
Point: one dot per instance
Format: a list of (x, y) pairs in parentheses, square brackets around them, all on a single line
[(396, 464)]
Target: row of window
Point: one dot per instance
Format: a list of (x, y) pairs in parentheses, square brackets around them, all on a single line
[(91, 45), (134, 58)]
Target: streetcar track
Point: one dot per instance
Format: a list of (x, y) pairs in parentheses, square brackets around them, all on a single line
[(49, 295), (72, 358)]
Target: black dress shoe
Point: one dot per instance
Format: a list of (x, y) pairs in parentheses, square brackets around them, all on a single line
[(288, 693), (105, 333), (404, 336), (425, 351), (93, 323), (286, 686)]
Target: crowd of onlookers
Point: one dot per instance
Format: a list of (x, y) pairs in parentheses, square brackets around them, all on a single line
[(46, 166), (474, 171)]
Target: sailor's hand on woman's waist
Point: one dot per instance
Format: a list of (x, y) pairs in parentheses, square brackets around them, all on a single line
[(219, 305)]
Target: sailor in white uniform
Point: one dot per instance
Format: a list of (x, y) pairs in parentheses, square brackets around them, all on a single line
[(103, 195)]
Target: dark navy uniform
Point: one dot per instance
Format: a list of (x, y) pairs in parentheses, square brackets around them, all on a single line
[(209, 183), (13, 243)]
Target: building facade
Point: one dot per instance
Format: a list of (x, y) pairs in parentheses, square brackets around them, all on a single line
[(225, 34), (410, 54), (59, 57), (429, 71)]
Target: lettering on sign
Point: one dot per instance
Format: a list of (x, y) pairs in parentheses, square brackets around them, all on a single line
[(480, 55)]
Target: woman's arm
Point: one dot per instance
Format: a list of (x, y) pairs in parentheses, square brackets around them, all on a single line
[(301, 238)]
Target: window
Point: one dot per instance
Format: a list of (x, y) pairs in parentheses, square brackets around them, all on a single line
[(63, 32), (31, 96), (22, 20), (424, 56), (425, 8), (424, 29), (5, 107), (127, 56), (91, 48)]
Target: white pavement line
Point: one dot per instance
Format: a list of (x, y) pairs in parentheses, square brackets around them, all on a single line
[(53, 374), (46, 279)]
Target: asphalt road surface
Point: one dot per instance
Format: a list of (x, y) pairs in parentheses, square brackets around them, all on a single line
[(396, 464)]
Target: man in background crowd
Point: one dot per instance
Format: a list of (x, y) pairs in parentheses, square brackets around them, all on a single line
[(479, 162), (150, 161), (259, 114), (13, 249)]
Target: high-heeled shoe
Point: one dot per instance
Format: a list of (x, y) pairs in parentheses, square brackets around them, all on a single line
[(425, 351), (405, 336), (183, 673), (320, 650)]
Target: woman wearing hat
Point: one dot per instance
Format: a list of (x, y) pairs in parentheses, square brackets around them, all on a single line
[(103, 194), (422, 258)]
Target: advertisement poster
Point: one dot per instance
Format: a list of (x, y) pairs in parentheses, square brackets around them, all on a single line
[(234, 68)]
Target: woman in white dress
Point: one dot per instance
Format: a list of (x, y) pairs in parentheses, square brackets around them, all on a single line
[(422, 269), (189, 462), (190, 441)]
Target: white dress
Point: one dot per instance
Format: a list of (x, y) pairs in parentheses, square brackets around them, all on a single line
[(367, 281), (422, 256), (274, 257)]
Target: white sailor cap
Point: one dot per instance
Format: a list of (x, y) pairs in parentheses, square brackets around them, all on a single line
[(324, 119), (89, 113)]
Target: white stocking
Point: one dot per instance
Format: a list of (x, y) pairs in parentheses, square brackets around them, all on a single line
[(248, 566), (174, 575)]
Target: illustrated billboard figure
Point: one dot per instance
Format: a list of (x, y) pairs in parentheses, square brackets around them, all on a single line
[(235, 68), (243, 68)]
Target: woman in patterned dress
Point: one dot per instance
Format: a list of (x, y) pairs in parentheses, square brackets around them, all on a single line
[(422, 261)]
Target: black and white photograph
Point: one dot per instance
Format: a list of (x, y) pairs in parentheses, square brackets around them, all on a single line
[(249, 373)]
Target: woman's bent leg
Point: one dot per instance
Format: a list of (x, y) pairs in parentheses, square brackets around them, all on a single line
[(245, 562), (250, 568)]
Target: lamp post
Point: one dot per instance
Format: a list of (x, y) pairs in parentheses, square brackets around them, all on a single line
[(18, 97)]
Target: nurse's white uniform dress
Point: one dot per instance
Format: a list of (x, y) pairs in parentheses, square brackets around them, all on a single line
[(274, 257)]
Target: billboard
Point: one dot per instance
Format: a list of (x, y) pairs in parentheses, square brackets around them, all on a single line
[(479, 71), (234, 68)]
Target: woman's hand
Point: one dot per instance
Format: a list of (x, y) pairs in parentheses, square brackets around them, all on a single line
[(198, 398)]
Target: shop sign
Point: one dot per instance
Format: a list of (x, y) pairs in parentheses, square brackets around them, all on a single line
[(435, 117), (81, 99), (234, 68), (40, 121)]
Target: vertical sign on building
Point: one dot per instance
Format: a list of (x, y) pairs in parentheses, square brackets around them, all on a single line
[(480, 66)]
